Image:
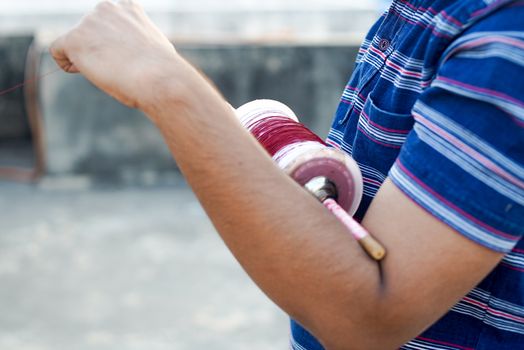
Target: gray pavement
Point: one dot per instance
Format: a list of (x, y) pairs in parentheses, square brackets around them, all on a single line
[(128, 268)]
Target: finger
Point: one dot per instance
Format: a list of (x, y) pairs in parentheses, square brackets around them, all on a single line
[(127, 2), (59, 53), (105, 5), (131, 4)]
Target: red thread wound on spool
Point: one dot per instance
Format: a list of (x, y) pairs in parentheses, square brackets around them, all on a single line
[(277, 132)]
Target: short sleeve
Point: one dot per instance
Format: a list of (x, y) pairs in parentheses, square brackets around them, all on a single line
[(464, 160)]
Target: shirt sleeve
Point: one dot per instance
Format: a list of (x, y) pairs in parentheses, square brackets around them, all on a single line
[(464, 160)]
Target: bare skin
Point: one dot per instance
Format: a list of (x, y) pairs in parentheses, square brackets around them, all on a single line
[(306, 263)]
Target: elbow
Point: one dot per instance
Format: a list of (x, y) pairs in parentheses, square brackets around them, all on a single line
[(374, 338), (372, 327)]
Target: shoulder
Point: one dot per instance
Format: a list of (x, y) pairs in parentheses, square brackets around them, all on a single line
[(497, 16)]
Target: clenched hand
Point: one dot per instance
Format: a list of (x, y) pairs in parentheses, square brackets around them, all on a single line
[(119, 49)]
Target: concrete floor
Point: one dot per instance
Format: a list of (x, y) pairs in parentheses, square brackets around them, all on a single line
[(123, 269)]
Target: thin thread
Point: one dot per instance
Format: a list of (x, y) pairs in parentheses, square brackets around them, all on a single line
[(18, 86)]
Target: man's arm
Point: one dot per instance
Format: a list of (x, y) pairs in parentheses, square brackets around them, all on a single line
[(293, 248)]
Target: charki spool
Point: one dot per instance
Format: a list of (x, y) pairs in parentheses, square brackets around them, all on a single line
[(300, 153)]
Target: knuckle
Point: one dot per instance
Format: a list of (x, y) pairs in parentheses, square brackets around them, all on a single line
[(68, 41), (56, 48), (136, 4), (72, 40), (131, 3), (105, 5)]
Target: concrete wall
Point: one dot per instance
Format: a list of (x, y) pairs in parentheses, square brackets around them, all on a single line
[(87, 132), (13, 121)]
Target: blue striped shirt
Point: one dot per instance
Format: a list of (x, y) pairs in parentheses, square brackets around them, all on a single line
[(436, 103)]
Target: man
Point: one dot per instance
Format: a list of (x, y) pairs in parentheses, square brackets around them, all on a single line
[(434, 114)]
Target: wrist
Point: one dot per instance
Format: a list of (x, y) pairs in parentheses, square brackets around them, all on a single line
[(163, 81), (174, 91)]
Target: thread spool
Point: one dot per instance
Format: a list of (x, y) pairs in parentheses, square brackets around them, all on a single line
[(330, 175), (300, 153)]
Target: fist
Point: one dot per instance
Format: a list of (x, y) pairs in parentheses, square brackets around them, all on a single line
[(119, 49)]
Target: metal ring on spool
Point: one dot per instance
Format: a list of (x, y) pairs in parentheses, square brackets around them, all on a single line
[(338, 168)]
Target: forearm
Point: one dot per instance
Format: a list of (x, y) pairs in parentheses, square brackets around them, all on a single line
[(289, 244)]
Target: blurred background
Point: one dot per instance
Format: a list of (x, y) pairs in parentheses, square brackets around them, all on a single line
[(102, 244)]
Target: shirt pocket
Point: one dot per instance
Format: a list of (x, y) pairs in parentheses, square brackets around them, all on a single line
[(379, 136)]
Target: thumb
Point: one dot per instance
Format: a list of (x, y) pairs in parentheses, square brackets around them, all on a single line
[(58, 51)]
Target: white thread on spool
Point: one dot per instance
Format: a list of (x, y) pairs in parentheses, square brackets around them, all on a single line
[(256, 110), (287, 155)]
